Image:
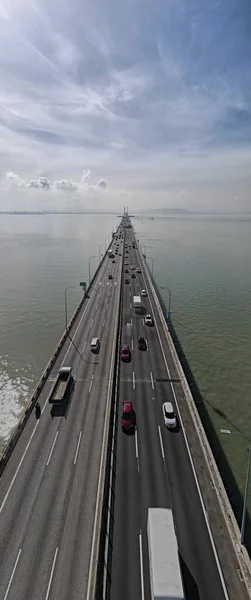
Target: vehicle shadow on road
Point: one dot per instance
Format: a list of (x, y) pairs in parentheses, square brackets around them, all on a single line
[(190, 585)]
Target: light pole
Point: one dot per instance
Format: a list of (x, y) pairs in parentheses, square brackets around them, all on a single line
[(90, 268), (107, 238), (244, 510), (99, 250), (169, 299), (65, 303), (150, 258)]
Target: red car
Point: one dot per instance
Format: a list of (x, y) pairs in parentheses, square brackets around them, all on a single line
[(125, 353), (127, 416)]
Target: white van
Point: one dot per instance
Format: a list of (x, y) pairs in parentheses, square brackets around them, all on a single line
[(95, 345)]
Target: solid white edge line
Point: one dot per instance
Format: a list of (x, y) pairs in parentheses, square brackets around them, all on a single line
[(133, 380), (132, 344), (103, 322), (84, 347), (160, 439), (193, 468), (79, 440), (54, 442), (16, 472), (90, 386), (141, 566), (136, 444), (151, 375), (12, 575), (51, 575)]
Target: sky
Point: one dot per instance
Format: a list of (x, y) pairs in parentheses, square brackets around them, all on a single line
[(145, 103)]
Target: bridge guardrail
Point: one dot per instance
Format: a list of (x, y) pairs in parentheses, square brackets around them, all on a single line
[(28, 410), (227, 511)]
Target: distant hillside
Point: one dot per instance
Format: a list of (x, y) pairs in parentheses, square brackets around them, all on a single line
[(163, 211)]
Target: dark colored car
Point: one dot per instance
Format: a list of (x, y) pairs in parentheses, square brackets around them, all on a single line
[(125, 354), (127, 416), (126, 271), (114, 261), (126, 280), (142, 343), (133, 275), (110, 276)]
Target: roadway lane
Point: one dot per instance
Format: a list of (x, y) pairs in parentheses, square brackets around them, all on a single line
[(164, 477), (47, 518)]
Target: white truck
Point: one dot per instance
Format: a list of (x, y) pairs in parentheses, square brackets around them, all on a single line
[(110, 253), (62, 386), (165, 573), (137, 304)]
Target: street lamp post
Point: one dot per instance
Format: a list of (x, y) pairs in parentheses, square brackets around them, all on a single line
[(107, 238), (150, 258), (244, 510), (65, 303), (90, 268), (169, 299), (99, 250)]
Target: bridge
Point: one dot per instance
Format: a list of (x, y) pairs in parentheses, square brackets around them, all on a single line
[(75, 489)]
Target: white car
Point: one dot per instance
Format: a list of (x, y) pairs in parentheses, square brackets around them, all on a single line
[(144, 293), (148, 320), (132, 267), (138, 270), (169, 415)]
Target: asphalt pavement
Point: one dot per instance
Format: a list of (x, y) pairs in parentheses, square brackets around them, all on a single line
[(153, 467), (49, 487)]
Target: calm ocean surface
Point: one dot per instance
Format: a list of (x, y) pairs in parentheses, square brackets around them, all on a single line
[(204, 260)]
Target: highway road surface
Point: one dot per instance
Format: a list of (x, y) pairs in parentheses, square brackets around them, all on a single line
[(49, 487), (153, 467)]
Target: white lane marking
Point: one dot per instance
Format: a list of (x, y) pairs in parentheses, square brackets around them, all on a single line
[(131, 320), (54, 442), (141, 566), (103, 322), (129, 292), (161, 444), (130, 305), (143, 322), (16, 472), (133, 380), (84, 348), (79, 440), (12, 574), (51, 575), (192, 465), (91, 324), (96, 306), (90, 386), (136, 444), (115, 282), (132, 344), (151, 375)]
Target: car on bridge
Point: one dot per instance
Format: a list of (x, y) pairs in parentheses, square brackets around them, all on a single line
[(110, 276), (133, 276), (170, 418), (142, 343), (149, 320), (127, 416), (138, 270), (144, 293), (125, 354)]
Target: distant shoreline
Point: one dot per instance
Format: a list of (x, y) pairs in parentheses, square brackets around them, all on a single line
[(154, 213)]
